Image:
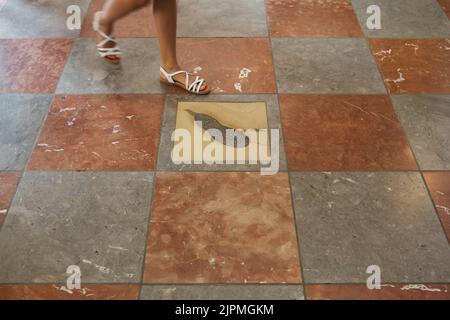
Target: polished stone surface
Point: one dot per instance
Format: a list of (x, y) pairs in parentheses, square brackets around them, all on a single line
[(343, 132), (96, 221), (86, 72), (426, 121), (406, 19), (349, 221), (222, 292), (386, 292), (137, 24), (25, 19), (311, 18), (229, 64), (231, 18), (61, 292), (325, 66), (413, 66), (8, 184), (100, 132), (165, 162), (32, 66), (222, 228), (439, 185), (21, 117)]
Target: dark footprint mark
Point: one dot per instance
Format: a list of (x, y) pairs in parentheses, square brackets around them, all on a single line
[(209, 122)]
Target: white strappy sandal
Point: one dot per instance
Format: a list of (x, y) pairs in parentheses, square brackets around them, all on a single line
[(105, 52), (194, 87)]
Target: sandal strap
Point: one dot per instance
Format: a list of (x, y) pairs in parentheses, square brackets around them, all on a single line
[(104, 52), (193, 87)]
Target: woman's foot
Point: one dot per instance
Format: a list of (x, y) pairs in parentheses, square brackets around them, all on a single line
[(106, 46), (177, 76)]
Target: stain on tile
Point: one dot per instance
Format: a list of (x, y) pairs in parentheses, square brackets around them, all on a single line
[(100, 132), (61, 292), (387, 292), (222, 292), (8, 184), (222, 228), (413, 66), (246, 114), (223, 116), (137, 24), (229, 64), (349, 221), (343, 132), (426, 121), (32, 66), (311, 18), (439, 185)]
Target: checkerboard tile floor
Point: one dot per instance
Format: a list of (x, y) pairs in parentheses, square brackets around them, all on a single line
[(86, 177)]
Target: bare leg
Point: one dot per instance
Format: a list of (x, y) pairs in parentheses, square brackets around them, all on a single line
[(114, 10), (165, 16)]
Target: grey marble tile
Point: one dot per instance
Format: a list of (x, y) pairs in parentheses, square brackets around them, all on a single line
[(25, 19), (325, 66), (96, 221), (212, 18), (405, 19), (165, 162), (222, 292), (86, 72), (21, 117), (349, 221), (426, 120)]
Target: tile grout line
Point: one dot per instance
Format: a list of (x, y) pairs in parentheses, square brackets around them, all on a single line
[(420, 170), (286, 155)]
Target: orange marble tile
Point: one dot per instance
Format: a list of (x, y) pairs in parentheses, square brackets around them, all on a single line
[(100, 132), (60, 292), (387, 292), (439, 185), (312, 18), (413, 66), (137, 24), (343, 132), (8, 184), (221, 60), (32, 66), (445, 4), (222, 228)]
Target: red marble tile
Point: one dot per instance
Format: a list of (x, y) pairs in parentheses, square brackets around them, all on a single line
[(445, 4), (343, 132), (312, 18), (60, 292), (32, 66), (439, 185), (135, 25), (222, 228), (387, 292), (221, 60), (100, 132), (8, 184), (413, 66)]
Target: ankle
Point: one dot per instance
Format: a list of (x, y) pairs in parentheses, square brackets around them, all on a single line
[(171, 67)]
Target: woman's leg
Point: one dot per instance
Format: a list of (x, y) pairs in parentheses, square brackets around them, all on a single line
[(165, 16), (114, 10)]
